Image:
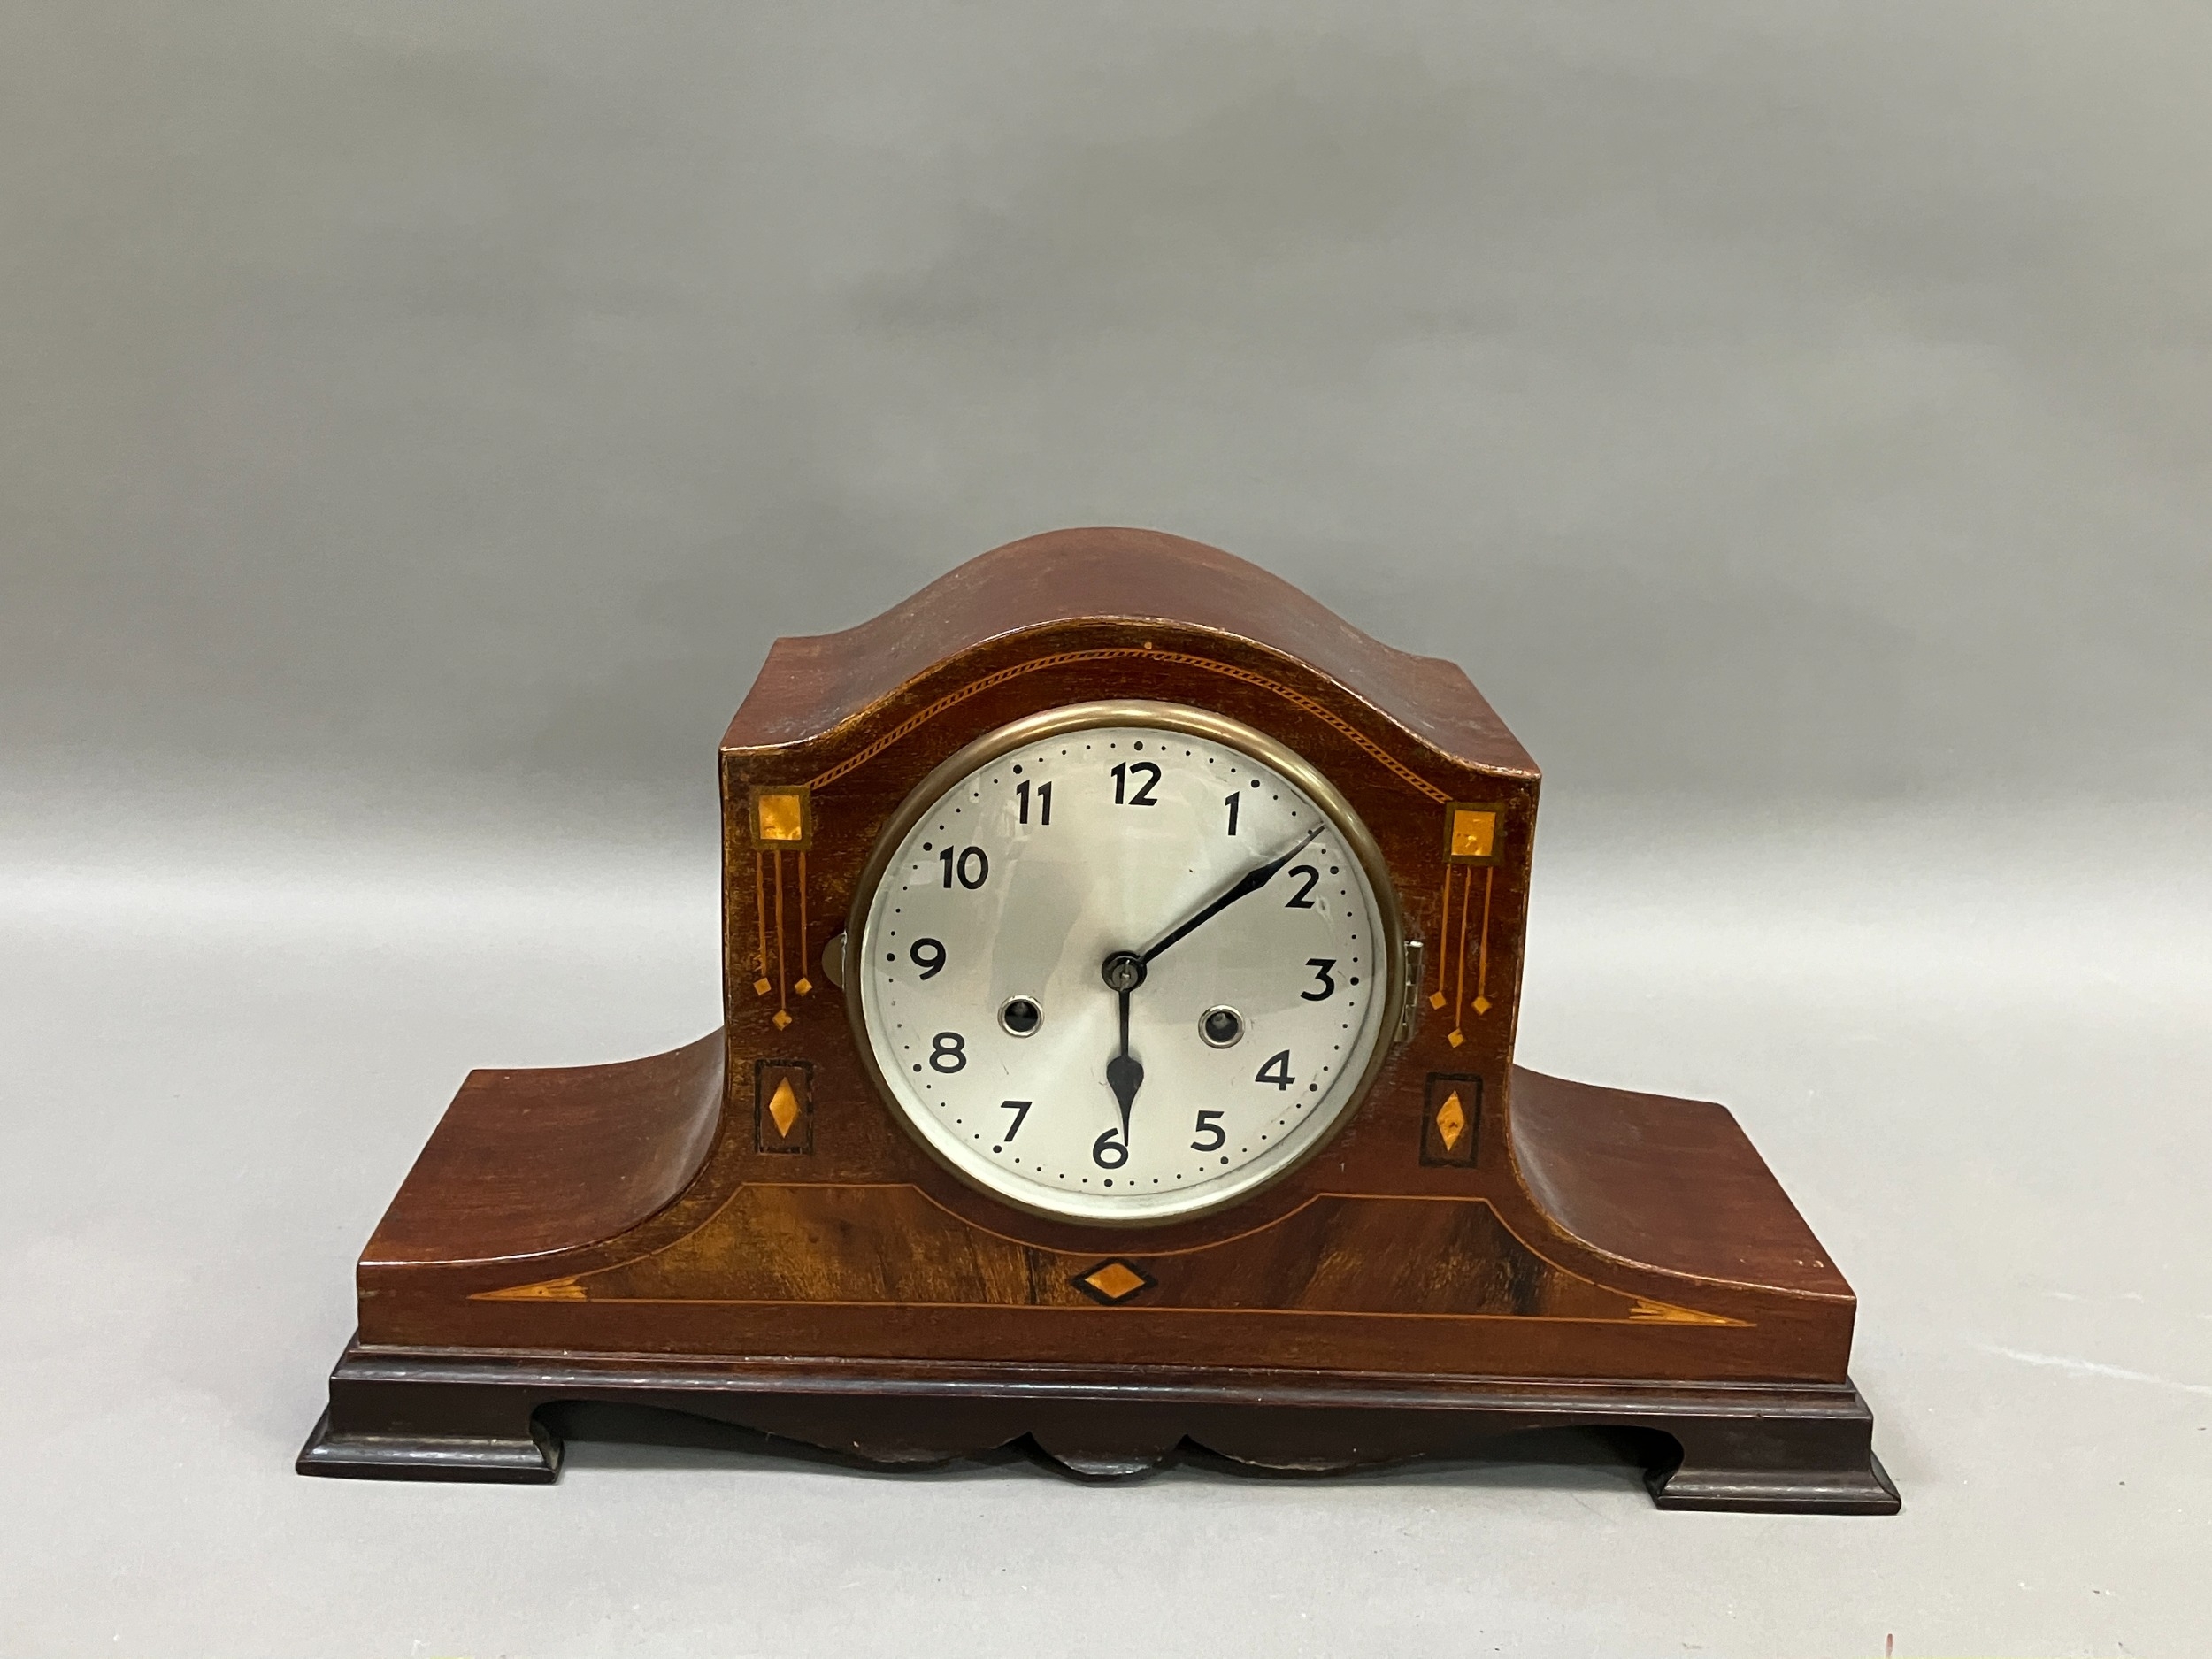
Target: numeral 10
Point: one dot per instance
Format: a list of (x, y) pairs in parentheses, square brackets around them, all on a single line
[(973, 866)]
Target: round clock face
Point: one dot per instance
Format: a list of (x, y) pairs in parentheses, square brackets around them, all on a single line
[(1125, 962)]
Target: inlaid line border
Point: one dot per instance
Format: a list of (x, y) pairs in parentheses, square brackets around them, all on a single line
[(1061, 659)]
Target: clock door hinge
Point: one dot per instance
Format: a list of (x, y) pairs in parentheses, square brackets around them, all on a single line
[(1409, 993)]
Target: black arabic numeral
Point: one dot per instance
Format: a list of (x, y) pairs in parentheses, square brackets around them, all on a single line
[(1020, 1108), (1234, 799), (1044, 802), (971, 858), (1277, 1071), (1320, 966), (1209, 1124), (928, 955), (1300, 900), (1107, 1153), (1129, 769), (948, 1052)]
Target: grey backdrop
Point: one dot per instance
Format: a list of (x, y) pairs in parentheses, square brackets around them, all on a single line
[(416, 419)]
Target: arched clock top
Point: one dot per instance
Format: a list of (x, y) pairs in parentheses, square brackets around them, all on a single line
[(1046, 591)]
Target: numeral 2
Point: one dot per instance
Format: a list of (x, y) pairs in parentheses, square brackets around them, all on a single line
[(1303, 900)]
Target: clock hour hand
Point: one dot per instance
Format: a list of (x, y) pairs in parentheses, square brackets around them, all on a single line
[(1254, 880), (1123, 972)]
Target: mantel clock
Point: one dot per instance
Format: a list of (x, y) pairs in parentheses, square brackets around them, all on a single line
[(1121, 958)]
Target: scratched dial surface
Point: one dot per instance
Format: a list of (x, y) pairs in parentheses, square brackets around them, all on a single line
[(985, 987)]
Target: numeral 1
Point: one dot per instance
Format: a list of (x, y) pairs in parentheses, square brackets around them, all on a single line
[(1232, 801)]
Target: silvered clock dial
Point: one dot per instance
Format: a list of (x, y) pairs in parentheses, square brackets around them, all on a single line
[(1124, 962)]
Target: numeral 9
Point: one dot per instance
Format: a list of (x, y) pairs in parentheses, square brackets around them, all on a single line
[(927, 955)]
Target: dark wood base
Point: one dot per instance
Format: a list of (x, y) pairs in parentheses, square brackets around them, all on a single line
[(1801, 1447)]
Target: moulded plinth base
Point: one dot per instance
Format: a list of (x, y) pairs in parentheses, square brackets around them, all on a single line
[(1790, 1447)]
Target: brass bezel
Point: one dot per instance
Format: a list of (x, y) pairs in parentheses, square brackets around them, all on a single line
[(1168, 717)]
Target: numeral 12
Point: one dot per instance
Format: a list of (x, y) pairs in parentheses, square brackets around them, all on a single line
[(1145, 774)]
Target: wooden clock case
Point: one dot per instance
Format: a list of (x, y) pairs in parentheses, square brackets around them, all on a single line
[(742, 1228)]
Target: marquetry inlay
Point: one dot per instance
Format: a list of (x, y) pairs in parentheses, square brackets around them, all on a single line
[(1472, 841), (1113, 1281), (1452, 1126), (1451, 1120), (785, 1094)]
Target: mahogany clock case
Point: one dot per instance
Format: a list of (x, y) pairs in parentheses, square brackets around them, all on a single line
[(742, 1228)]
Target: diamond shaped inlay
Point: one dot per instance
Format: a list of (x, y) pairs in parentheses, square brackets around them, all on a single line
[(779, 1019), (1451, 1120), (783, 1107), (1113, 1281)]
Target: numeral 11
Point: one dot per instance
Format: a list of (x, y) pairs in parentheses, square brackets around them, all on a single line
[(1044, 802)]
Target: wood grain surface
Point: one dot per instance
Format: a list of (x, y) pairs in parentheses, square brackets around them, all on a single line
[(753, 1195)]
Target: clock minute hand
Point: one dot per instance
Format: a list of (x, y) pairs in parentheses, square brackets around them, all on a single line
[(1123, 972), (1254, 880)]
